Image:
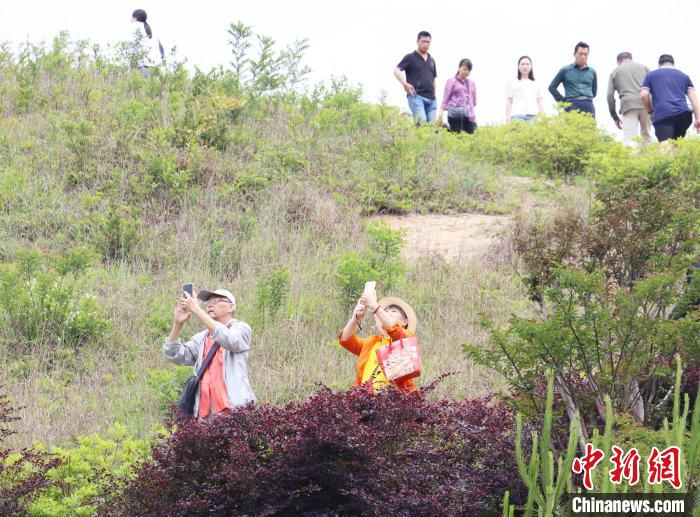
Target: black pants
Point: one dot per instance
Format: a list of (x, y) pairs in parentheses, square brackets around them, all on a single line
[(458, 124), (673, 127), (584, 106)]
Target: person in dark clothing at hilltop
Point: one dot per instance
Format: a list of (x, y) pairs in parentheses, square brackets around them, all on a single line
[(663, 94), (580, 82), (417, 73)]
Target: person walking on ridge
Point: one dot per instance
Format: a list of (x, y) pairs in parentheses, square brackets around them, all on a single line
[(663, 95), (627, 80), (417, 74)]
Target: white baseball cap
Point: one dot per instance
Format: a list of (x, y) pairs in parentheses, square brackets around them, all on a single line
[(204, 295)]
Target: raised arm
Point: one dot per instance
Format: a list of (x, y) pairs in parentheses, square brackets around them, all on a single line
[(385, 320), (347, 338), (183, 354), (235, 338), (173, 348)]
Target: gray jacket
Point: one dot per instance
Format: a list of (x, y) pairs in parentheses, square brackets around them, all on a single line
[(627, 79), (234, 338)]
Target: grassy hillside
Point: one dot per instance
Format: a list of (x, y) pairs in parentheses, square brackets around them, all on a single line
[(144, 185), (528, 248), (115, 190)]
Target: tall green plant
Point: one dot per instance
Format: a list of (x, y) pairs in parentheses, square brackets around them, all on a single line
[(675, 432), (546, 489), (272, 292), (546, 485)]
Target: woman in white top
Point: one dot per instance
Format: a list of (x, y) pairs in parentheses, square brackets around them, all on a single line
[(151, 52), (524, 99)]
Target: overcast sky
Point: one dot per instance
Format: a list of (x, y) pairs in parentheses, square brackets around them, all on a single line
[(364, 40)]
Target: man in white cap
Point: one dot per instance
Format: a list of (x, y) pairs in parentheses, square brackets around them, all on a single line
[(224, 383)]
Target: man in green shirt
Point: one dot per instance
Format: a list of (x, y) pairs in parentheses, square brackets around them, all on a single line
[(580, 82)]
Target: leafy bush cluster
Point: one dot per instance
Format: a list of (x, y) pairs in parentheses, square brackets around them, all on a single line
[(381, 262), (346, 453), (87, 473), (615, 289), (73, 480), (272, 292), (559, 147), (42, 302)]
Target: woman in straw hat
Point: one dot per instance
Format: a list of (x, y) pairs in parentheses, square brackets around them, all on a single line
[(396, 320)]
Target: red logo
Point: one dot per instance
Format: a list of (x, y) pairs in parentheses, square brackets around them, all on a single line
[(587, 464), (626, 466), (665, 466)]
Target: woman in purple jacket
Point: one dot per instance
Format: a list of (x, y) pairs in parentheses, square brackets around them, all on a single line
[(460, 100)]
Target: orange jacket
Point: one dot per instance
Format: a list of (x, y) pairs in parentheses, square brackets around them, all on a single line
[(362, 346)]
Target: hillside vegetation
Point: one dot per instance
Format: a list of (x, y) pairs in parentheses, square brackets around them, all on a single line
[(115, 190)]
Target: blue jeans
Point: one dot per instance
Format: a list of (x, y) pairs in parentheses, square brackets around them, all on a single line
[(422, 108), (526, 118)]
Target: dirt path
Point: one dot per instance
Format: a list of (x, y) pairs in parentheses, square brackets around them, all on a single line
[(472, 236), (465, 236)]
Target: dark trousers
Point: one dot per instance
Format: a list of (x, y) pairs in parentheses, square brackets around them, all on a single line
[(460, 123), (583, 105), (673, 127)]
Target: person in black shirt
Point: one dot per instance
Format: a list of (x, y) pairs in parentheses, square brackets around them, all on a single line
[(416, 72)]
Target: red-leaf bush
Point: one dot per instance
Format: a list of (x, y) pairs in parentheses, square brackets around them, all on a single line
[(335, 453), (23, 474)]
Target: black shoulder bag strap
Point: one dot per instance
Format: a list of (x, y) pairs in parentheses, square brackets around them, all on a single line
[(207, 361)]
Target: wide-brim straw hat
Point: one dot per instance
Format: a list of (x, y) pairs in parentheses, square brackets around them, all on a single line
[(405, 307)]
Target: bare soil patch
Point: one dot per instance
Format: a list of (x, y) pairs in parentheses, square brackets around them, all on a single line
[(461, 236)]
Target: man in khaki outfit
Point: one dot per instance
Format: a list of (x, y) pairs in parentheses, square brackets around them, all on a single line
[(627, 80)]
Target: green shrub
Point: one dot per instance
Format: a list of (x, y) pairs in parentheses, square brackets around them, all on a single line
[(650, 167), (163, 175), (114, 230), (89, 471), (208, 120), (381, 262), (272, 291), (42, 304), (228, 233), (80, 140), (559, 146), (166, 386)]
